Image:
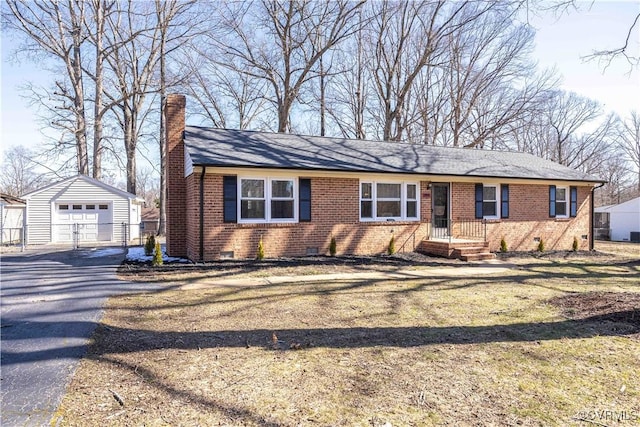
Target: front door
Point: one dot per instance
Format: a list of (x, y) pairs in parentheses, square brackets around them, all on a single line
[(440, 216)]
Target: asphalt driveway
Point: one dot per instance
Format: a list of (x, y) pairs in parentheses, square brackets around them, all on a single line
[(51, 301)]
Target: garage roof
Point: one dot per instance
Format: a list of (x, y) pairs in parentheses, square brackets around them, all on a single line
[(91, 181)]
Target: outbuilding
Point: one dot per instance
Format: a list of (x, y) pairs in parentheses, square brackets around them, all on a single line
[(623, 220), (82, 209), (11, 219)]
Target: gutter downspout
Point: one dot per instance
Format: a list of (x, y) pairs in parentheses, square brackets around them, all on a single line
[(593, 215), (204, 170)]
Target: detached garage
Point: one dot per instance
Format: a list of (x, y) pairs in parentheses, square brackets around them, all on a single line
[(82, 209), (624, 220)]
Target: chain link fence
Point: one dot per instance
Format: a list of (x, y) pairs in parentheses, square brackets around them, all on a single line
[(75, 234)]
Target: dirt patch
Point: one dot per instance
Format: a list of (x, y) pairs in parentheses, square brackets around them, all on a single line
[(621, 307)]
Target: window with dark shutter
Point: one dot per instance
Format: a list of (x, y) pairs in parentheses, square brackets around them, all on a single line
[(305, 200), (504, 201), (552, 201), (573, 194), (479, 201), (230, 198)]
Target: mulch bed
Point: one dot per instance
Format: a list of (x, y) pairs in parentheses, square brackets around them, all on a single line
[(619, 307), (132, 270)]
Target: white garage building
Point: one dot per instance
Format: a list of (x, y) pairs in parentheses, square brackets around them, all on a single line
[(82, 208), (623, 219), (11, 219)]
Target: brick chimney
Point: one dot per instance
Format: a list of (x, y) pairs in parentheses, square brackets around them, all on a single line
[(174, 111)]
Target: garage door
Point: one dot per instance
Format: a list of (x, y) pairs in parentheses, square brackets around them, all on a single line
[(91, 221)]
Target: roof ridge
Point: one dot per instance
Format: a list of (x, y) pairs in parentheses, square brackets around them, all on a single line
[(355, 140)]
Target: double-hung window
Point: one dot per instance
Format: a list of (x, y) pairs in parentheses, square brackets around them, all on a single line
[(366, 200), (267, 200), (412, 201), (492, 201), (282, 199), (252, 199), (386, 201), (561, 202)]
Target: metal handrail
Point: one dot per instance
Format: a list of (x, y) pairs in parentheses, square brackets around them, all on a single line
[(448, 229)]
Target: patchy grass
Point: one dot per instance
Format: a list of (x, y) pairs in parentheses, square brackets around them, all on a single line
[(552, 342), (619, 248)]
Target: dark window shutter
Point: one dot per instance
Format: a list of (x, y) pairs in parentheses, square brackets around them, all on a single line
[(504, 200), (230, 198), (479, 199), (305, 200), (552, 201), (573, 191)]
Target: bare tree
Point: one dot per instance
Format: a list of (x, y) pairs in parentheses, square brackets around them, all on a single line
[(55, 29), (566, 113), (19, 174), (342, 92), (488, 78), (134, 36), (281, 42), (226, 99), (605, 57), (613, 170), (407, 37), (95, 28), (148, 186), (630, 142), (174, 33)]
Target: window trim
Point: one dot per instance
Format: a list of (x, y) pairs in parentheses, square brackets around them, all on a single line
[(416, 199), (374, 201), (497, 201), (501, 201), (565, 201), (267, 187)]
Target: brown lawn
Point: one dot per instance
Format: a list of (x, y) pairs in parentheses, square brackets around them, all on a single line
[(553, 341)]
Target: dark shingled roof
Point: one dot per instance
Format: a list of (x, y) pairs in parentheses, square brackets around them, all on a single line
[(237, 148)]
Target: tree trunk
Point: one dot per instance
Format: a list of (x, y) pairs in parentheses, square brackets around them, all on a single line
[(130, 147), (81, 122), (97, 106), (163, 148), (322, 101)]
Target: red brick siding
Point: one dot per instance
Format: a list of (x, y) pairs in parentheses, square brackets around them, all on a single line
[(528, 218), (334, 213), (175, 209)]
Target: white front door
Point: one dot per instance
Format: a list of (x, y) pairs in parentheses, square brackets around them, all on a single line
[(91, 222)]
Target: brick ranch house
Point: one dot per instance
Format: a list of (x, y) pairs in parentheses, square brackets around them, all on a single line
[(228, 189)]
